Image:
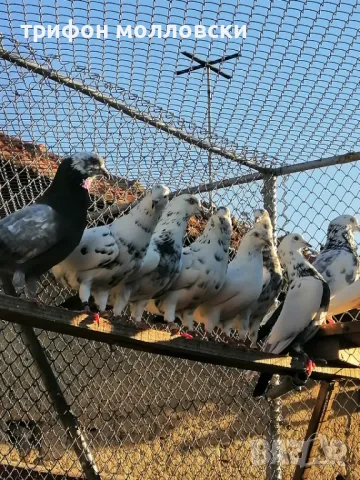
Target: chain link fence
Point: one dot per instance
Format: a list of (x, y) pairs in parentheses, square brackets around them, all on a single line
[(287, 118)]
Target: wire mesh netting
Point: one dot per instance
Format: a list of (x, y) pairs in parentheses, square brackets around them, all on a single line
[(148, 416), (291, 99)]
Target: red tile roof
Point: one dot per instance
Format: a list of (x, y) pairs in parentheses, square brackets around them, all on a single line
[(37, 158)]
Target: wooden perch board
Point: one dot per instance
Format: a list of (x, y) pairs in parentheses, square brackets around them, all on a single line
[(157, 342), (339, 344)]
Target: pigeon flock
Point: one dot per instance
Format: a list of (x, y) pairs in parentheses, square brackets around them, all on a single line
[(268, 296)]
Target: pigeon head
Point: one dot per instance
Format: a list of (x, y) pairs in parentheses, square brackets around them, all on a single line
[(258, 237), (89, 164), (262, 217), (259, 213), (160, 196), (344, 222), (187, 204), (292, 243), (223, 212), (220, 219)]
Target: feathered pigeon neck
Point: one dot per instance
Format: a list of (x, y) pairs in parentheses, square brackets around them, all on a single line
[(211, 232), (66, 192), (271, 259), (297, 266), (340, 238), (248, 248), (173, 223), (143, 210)]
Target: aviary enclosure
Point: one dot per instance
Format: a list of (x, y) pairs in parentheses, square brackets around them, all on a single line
[(264, 116)]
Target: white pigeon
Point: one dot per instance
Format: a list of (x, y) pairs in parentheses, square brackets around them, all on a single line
[(272, 280), (203, 271), (162, 261), (108, 254), (307, 300), (242, 285), (304, 308), (338, 261)]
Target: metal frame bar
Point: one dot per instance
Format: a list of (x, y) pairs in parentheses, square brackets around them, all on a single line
[(269, 192), (320, 414), (244, 179)]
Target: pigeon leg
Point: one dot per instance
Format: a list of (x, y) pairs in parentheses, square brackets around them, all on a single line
[(253, 331), (18, 281), (31, 289), (101, 297), (226, 332), (122, 297), (241, 324), (169, 307), (187, 319), (211, 321), (309, 364), (84, 294), (136, 311)]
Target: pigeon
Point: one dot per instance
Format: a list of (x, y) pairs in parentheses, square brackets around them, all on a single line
[(338, 261), (272, 280), (162, 261), (39, 236), (106, 255), (242, 285), (304, 309), (203, 270)]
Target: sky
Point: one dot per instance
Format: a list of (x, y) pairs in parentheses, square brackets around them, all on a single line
[(293, 95)]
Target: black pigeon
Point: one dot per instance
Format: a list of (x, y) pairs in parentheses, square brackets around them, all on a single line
[(39, 236)]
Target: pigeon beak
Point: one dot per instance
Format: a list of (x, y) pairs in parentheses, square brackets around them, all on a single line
[(105, 173), (309, 250), (154, 203), (205, 213)]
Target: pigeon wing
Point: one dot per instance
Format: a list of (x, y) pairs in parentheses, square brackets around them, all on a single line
[(96, 249), (29, 232), (151, 261), (338, 267), (188, 275), (300, 307)]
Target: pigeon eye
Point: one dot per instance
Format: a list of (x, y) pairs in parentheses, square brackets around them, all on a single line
[(352, 220), (192, 201), (296, 238), (256, 235)]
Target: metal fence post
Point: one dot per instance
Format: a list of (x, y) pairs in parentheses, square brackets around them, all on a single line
[(269, 192)]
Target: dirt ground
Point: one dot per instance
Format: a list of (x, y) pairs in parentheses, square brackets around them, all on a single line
[(150, 417)]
